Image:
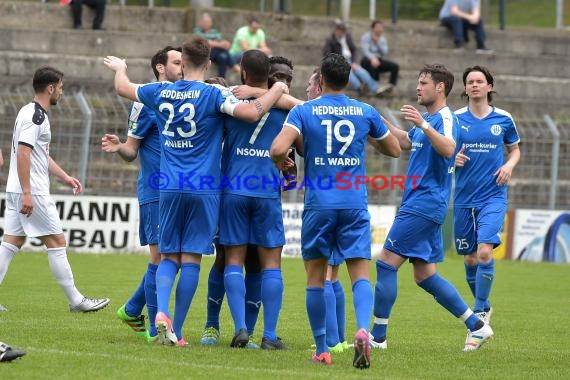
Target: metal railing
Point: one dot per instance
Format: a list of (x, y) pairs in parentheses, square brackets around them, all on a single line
[(541, 180)]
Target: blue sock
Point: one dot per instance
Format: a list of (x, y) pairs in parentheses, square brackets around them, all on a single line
[(252, 300), (445, 294), (363, 299), (165, 276), (187, 284), (316, 310), (272, 298), (485, 275), (470, 272), (332, 323), (216, 293), (473, 322), (385, 293), (150, 296), (235, 290), (340, 309), (135, 304)]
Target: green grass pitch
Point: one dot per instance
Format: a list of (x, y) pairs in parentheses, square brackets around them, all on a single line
[(531, 320)]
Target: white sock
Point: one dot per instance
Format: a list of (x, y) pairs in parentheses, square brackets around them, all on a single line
[(7, 252), (61, 270)]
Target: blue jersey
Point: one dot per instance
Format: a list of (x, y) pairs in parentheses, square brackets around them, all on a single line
[(484, 141), (429, 176), (142, 126), (335, 129), (247, 167), (191, 123)]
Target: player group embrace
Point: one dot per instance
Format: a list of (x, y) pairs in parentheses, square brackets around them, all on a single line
[(203, 138), (188, 128)]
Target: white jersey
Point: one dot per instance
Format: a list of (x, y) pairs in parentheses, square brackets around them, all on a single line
[(31, 129)]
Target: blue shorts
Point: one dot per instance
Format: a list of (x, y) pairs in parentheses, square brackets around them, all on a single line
[(476, 225), (251, 220), (335, 258), (188, 222), (148, 223), (347, 233), (415, 238)]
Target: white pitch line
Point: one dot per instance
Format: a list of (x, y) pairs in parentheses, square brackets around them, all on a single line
[(175, 363)]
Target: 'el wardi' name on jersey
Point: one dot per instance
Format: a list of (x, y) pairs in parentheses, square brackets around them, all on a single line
[(335, 129)]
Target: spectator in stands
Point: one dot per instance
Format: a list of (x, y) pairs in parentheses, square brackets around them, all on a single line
[(249, 37), (219, 53), (77, 8), (374, 47), (340, 42), (461, 15), (1, 159)]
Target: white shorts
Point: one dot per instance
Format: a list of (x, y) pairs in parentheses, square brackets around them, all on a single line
[(43, 221)]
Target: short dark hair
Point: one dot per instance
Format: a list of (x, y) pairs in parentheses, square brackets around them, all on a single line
[(279, 60), (256, 64), (317, 72), (252, 19), (196, 51), (375, 22), (44, 76), (335, 70), (161, 58), (488, 77), (440, 74)]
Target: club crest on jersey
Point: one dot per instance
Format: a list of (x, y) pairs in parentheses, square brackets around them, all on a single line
[(133, 125), (496, 129)]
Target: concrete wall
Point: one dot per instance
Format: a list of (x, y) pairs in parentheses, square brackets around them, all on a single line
[(530, 65)]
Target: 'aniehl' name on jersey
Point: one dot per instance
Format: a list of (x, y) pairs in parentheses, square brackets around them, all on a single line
[(178, 143)]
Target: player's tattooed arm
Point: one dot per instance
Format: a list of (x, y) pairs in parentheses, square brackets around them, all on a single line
[(253, 111), (259, 108)]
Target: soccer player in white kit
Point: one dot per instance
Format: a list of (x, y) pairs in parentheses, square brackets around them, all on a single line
[(30, 210)]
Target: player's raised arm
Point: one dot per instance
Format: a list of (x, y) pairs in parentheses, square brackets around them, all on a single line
[(389, 145), (401, 136), (127, 150), (444, 144), (285, 102), (123, 85), (254, 111)]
